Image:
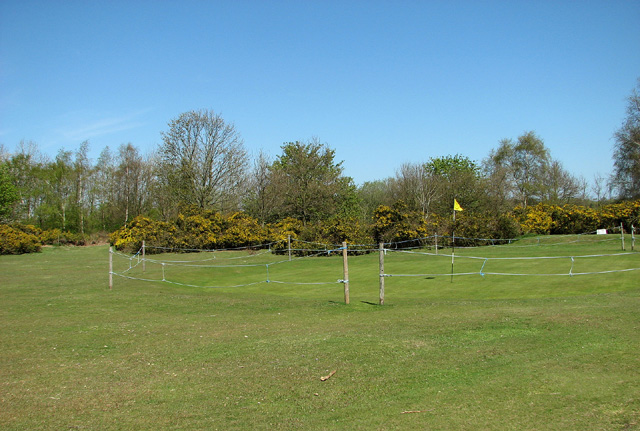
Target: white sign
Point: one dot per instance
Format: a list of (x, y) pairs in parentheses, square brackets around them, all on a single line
[(602, 231)]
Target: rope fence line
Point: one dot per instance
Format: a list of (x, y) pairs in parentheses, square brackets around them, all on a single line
[(139, 257), (136, 259)]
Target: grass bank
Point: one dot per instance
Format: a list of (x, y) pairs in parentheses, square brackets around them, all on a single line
[(492, 352)]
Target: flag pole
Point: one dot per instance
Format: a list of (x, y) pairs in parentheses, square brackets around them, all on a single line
[(453, 240)]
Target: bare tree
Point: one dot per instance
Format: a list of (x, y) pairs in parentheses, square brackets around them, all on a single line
[(203, 159), (262, 200), (560, 186), (82, 167), (417, 187), (626, 156)]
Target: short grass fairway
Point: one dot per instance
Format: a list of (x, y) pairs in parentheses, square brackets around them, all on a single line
[(490, 352)]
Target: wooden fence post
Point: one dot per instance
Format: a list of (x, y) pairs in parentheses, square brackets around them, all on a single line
[(622, 235), (110, 268), (381, 273), (289, 246), (345, 265)]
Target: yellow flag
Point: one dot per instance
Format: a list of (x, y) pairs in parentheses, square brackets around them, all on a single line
[(456, 206)]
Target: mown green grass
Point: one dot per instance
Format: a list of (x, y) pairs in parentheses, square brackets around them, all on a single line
[(492, 352)]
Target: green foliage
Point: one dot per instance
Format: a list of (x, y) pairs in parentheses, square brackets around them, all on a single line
[(450, 166), (8, 192), (523, 165), (311, 183), (455, 177), (13, 240)]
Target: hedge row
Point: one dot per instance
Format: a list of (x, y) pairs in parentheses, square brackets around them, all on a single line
[(573, 219), (211, 230), (18, 238)]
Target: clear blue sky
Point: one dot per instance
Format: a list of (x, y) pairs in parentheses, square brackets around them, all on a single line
[(381, 82)]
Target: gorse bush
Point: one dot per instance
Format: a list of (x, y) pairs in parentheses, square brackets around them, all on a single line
[(546, 219), (14, 240), (58, 237), (627, 213), (154, 233), (20, 238), (390, 224)]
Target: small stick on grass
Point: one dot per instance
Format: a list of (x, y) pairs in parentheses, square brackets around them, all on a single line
[(327, 377)]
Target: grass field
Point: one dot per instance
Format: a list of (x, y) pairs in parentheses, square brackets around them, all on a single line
[(481, 352)]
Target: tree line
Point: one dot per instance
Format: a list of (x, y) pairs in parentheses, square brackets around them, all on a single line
[(203, 165)]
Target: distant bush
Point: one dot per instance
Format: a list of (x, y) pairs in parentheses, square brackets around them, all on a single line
[(241, 230), (57, 237), (15, 241), (627, 213), (573, 219), (207, 230), (154, 233)]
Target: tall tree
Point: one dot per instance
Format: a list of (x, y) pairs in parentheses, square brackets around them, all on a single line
[(454, 177), (129, 177), (262, 200), (103, 190), (25, 168), (8, 192), (626, 155), (523, 164), (203, 159), (417, 186), (82, 167), (59, 201), (311, 182), (560, 187), (372, 194)]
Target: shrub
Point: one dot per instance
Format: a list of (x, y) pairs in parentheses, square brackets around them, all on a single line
[(154, 233), (197, 231), (243, 230), (15, 241)]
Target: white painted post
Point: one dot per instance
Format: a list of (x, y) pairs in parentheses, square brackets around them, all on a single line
[(144, 266)]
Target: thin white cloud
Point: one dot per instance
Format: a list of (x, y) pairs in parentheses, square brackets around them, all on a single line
[(81, 129)]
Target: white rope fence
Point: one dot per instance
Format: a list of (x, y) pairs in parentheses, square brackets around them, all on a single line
[(254, 265), (132, 262), (481, 271)]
